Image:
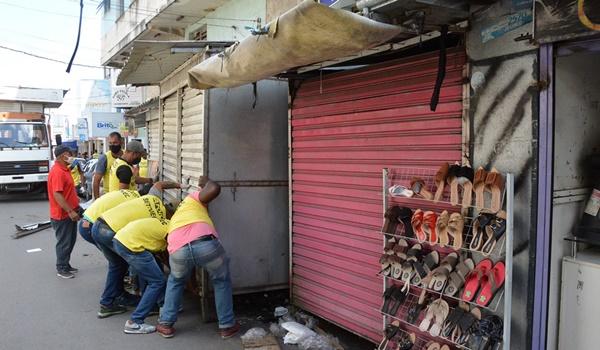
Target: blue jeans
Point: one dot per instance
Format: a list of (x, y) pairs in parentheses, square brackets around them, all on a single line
[(211, 256), (66, 235), (117, 266), (86, 232), (145, 265)]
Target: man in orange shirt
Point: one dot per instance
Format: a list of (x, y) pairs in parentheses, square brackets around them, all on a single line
[(64, 210)]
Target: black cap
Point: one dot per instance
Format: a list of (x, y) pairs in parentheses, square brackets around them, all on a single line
[(60, 149)]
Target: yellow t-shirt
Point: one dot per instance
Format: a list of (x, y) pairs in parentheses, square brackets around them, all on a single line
[(144, 234), (147, 206), (189, 212), (75, 175), (106, 178), (143, 167), (114, 181), (108, 201)]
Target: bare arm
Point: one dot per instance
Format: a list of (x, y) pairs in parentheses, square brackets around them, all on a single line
[(96, 185), (60, 199), (143, 180), (210, 190), (165, 185)]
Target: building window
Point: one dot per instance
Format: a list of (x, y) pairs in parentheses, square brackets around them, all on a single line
[(106, 5)]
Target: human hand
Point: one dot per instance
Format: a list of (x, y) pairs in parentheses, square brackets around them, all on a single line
[(73, 215)]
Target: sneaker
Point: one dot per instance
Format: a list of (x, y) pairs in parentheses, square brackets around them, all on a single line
[(230, 331), (73, 269), (106, 311), (65, 274), (128, 300), (165, 330), (136, 328)]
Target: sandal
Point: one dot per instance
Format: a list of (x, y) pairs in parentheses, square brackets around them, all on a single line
[(465, 179), (389, 333), (441, 227), (415, 310), (452, 180), (441, 313), (440, 275), (386, 265), (429, 223), (469, 320), (391, 219), (479, 187), (479, 225), (490, 283), (427, 320), (487, 333), (418, 187), (456, 224), (397, 258), (430, 262), (406, 341), (432, 346), (387, 298), (398, 297), (457, 277), (417, 225), (494, 183), (474, 279), (440, 181), (495, 230), (452, 321), (408, 270)]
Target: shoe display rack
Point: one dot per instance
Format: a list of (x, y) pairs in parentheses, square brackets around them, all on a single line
[(420, 308)]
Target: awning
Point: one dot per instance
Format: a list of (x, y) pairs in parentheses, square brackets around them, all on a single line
[(306, 34), (152, 61)]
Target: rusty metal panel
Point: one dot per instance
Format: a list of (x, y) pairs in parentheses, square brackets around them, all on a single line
[(192, 134), (346, 127)]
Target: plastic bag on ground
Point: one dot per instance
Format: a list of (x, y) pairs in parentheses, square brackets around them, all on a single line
[(315, 342), (254, 334), (296, 332), (277, 330)]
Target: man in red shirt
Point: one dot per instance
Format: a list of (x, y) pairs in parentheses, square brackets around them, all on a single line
[(64, 210)]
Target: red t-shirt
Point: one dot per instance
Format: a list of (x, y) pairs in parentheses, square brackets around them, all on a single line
[(60, 180)]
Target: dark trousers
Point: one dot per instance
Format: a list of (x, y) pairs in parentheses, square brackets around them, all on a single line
[(66, 235)]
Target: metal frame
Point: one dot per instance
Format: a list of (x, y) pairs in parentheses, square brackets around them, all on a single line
[(544, 209)]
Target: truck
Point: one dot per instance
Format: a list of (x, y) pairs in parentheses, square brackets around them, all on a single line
[(25, 152)]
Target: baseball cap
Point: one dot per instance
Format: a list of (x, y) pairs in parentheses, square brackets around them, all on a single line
[(134, 146), (60, 149)]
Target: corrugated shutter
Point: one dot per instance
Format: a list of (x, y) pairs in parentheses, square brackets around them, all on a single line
[(192, 134), (153, 129), (345, 129), (169, 142)]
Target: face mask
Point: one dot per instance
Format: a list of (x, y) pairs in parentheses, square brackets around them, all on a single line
[(136, 161), (115, 148)]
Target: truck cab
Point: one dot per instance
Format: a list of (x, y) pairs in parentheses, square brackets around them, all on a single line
[(25, 152)]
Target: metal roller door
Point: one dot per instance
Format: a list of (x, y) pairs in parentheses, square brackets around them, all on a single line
[(345, 129), (170, 146), (153, 128), (192, 134)]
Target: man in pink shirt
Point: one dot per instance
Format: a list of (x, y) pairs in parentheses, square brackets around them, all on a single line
[(193, 241)]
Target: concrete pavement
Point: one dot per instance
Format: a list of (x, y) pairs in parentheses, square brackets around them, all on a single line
[(41, 311)]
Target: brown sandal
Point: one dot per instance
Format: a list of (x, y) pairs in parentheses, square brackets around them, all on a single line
[(456, 225), (440, 181), (494, 183), (479, 187), (417, 185), (452, 180), (441, 226)]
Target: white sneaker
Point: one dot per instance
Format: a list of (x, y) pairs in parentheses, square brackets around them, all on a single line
[(136, 328)]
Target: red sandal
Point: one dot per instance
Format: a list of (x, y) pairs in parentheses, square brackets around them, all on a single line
[(429, 226), (490, 283), (417, 225), (473, 279)]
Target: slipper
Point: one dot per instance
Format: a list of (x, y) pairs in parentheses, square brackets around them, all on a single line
[(494, 231), (441, 227), (474, 279), (391, 219), (432, 346), (429, 223), (418, 187), (404, 216), (406, 341), (389, 333), (490, 283), (452, 180), (494, 183), (440, 275), (427, 320), (440, 181), (453, 318), (398, 297), (465, 179), (479, 187), (398, 258), (387, 298), (457, 277), (386, 265), (422, 269), (445, 347), (417, 225), (441, 312), (469, 320), (415, 310), (487, 334), (408, 271), (456, 224), (479, 225)]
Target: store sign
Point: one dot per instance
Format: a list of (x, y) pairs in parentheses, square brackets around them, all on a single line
[(102, 123), (126, 96)]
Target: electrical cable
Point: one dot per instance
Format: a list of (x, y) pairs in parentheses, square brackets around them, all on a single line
[(78, 37), (45, 39), (47, 58), (51, 12)]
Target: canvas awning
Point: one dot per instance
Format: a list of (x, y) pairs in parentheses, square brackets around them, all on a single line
[(306, 34), (151, 61)]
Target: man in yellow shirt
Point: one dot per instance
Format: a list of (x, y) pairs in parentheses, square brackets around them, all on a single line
[(136, 243), (122, 175), (104, 230), (105, 162)]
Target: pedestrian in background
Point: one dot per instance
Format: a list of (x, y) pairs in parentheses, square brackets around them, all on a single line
[(64, 210)]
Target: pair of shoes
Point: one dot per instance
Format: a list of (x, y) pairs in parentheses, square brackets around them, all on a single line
[(229, 331), (165, 331), (138, 328), (106, 311), (65, 274), (72, 269)]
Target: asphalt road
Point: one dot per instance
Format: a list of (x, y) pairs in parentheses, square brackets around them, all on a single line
[(41, 311)]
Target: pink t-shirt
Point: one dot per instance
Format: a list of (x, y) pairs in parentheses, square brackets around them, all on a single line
[(189, 233)]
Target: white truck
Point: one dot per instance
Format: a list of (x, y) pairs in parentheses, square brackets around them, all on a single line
[(25, 152)]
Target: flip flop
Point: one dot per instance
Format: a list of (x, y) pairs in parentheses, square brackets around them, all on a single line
[(427, 320), (417, 226), (456, 224), (479, 187), (422, 269), (441, 313), (389, 333), (441, 227), (490, 283), (452, 180), (479, 225), (495, 230), (418, 187), (473, 279), (465, 179), (408, 271), (440, 181), (457, 277), (494, 183), (429, 223), (406, 341), (440, 275), (462, 332)]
